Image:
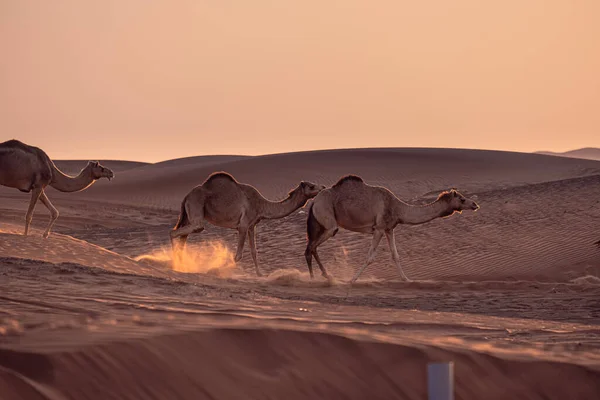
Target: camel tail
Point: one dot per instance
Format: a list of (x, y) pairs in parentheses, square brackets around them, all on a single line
[(183, 216)]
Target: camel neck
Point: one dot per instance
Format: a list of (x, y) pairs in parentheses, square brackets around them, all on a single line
[(66, 183), (415, 215), (283, 208)]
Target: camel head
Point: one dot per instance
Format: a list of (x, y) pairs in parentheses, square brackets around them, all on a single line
[(309, 189), (457, 202), (98, 171)]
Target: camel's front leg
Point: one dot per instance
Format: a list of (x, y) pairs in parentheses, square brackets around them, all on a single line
[(395, 257), (35, 195), (377, 235), (252, 242), (242, 232), (53, 211)]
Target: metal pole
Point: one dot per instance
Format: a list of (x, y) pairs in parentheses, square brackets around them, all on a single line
[(440, 381)]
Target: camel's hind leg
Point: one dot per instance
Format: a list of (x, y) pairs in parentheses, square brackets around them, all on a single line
[(53, 212), (190, 221), (395, 257), (179, 239), (317, 235), (377, 235), (35, 195), (311, 250), (179, 236), (252, 242), (321, 266)]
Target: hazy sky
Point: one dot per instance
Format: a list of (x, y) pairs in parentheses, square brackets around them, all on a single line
[(153, 80)]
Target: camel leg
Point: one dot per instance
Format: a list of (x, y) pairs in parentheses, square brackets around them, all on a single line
[(252, 242), (242, 232), (321, 266), (395, 257), (308, 254), (183, 233), (35, 195), (311, 250), (53, 212), (377, 235)]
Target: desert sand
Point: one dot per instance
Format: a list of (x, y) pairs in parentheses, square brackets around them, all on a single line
[(510, 293)]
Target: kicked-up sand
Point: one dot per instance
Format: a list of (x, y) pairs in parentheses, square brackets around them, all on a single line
[(510, 294)]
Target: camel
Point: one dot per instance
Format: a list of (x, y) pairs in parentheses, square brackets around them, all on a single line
[(30, 170), (356, 206), (223, 201)]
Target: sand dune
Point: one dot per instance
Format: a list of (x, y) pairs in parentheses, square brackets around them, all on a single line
[(407, 172), (509, 293), (587, 153)]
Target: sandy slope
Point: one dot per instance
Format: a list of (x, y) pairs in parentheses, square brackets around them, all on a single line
[(510, 293), (65, 249), (71, 331)]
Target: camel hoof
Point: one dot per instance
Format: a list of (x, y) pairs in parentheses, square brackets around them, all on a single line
[(45, 235)]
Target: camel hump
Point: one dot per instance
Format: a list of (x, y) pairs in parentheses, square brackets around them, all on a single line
[(216, 176), (15, 144), (12, 143), (349, 178)]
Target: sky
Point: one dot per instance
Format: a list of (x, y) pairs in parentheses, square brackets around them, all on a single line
[(154, 80)]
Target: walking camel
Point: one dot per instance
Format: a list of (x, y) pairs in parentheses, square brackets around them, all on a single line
[(29, 169), (353, 205), (223, 201)]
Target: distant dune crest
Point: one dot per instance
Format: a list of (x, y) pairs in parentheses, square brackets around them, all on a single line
[(587, 153)]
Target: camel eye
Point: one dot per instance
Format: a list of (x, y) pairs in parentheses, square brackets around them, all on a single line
[(462, 200)]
